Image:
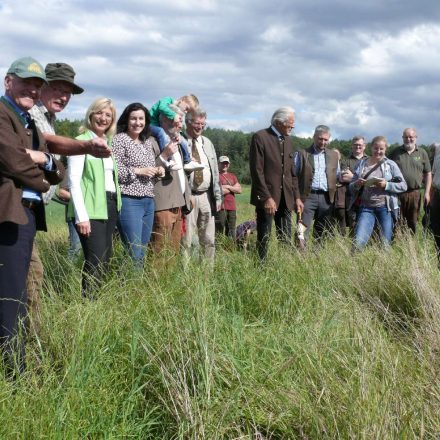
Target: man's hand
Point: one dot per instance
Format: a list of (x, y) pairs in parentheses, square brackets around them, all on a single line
[(427, 198), (299, 205), (219, 205), (38, 157), (169, 150), (98, 147), (346, 176), (270, 206)]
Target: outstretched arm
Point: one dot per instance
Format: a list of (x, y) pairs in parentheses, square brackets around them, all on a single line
[(72, 147)]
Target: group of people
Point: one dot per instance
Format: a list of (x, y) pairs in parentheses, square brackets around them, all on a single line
[(144, 172), (365, 193), (155, 176)]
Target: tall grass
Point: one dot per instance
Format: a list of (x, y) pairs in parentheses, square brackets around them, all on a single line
[(317, 345)]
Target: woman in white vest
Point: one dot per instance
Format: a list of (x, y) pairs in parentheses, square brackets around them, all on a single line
[(95, 195)]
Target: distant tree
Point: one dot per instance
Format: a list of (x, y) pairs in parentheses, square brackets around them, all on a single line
[(68, 128)]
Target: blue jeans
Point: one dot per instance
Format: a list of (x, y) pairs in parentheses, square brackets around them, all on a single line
[(163, 140), (365, 224), (136, 222), (74, 242)]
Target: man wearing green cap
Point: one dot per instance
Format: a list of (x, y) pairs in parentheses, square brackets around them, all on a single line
[(54, 98), (26, 171)]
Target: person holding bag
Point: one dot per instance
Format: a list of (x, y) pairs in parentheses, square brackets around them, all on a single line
[(376, 182)]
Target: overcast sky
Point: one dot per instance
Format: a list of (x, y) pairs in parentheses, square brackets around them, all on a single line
[(370, 67)]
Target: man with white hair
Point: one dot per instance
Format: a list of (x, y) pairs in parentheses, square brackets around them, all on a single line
[(416, 170), (205, 188), (274, 191)]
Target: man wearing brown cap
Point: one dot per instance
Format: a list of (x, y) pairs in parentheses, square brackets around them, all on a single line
[(26, 171), (55, 95)]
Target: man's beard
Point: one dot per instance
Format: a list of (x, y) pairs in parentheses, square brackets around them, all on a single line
[(410, 147)]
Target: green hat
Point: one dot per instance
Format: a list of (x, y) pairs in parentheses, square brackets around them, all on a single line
[(27, 67), (63, 72)]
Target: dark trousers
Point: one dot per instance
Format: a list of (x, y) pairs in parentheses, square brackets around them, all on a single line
[(283, 226), (225, 222), (317, 208), (410, 202), (434, 219), (97, 248), (16, 243)]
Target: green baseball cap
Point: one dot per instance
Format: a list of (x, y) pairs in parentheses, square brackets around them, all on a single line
[(63, 72), (27, 67)]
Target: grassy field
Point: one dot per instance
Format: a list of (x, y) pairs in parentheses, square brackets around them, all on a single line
[(311, 346)]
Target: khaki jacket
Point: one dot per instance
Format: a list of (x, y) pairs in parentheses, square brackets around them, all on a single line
[(167, 191)]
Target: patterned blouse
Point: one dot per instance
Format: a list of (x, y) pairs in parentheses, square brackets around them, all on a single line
[(129, 155)]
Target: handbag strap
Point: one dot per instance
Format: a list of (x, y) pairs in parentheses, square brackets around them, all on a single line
[(368, 174), (374, 168)]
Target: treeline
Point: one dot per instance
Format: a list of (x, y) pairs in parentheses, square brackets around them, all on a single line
[(231, 143)]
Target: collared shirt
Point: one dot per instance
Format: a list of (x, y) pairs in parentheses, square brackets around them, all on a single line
[(204, 186), (279, 135), (319, 181), (45, 122), (413, 166), (26, 118)]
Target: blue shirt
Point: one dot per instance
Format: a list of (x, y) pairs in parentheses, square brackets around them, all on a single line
[(319, 181)]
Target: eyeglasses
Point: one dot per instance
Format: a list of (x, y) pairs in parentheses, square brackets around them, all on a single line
[(198, 124)]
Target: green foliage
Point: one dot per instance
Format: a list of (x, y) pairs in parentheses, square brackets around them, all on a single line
[(66, 127), (317, 345), (232, 143)]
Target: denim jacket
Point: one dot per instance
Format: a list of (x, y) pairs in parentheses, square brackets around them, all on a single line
[(390, 171)]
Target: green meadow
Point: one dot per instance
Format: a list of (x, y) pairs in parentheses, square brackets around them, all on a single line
[(319, 345)]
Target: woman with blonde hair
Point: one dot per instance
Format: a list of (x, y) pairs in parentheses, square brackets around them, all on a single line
[(376, 182), (95, 195)]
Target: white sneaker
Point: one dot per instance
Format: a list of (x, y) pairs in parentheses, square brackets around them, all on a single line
[(173, 166), (193, 166)]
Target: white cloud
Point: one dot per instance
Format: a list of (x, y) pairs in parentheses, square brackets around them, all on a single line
[(370, 68)]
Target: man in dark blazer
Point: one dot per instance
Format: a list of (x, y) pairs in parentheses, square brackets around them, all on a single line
[(274, 191), (26, 171)]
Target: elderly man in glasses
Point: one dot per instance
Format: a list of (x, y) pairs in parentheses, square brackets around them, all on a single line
[(274, 191), (205, 188)]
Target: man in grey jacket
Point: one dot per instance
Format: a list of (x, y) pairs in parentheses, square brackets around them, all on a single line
[(205, 187)]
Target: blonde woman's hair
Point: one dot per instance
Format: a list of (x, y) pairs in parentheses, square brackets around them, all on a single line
[(380, 139), (96, 106)]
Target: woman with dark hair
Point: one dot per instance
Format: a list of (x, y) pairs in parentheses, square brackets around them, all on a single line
[(136, 169)]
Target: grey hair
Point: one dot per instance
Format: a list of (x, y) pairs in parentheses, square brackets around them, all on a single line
[(322, 129), (173, 108), (358, 138), (196, 113), (282, 115)]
